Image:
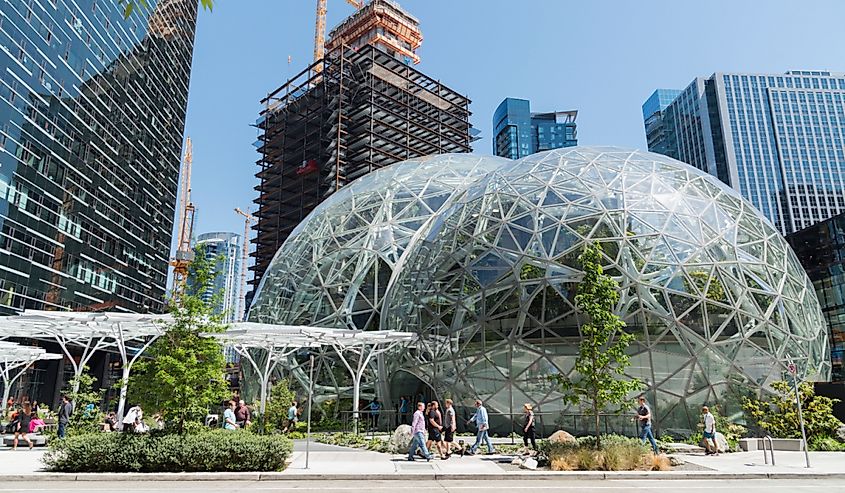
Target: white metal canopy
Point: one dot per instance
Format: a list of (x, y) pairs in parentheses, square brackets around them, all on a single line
[(15, 359), (354, 348), (92, 332), (278, 342)]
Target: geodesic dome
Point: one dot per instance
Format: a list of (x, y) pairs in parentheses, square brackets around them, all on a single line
[(335, 266), (715, 295)]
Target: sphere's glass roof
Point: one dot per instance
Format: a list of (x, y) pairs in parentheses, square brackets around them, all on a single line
[(480, 255)]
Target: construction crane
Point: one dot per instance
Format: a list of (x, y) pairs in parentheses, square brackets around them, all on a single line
[(184, 253), (248, 220), (320, 30)]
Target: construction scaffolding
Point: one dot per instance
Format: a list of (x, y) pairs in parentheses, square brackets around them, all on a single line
[(365, 110)]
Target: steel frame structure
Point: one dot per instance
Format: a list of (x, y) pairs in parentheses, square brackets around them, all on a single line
[(319, 131)]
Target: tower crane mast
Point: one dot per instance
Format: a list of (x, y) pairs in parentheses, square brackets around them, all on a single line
[(184, 253), (320, 30), (248, 220)]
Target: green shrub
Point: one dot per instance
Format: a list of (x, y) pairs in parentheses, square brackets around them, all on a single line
[(217, 450), (779, 416), (278, 404), (826, 444)]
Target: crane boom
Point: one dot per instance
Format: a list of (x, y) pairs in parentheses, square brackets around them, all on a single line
[(248, 220), (320, 30)]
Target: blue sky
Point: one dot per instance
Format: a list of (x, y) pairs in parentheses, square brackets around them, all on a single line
[(602, 58)]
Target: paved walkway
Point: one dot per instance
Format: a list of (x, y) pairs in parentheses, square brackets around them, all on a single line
[(334, 460), (342, 463), (785, 462)]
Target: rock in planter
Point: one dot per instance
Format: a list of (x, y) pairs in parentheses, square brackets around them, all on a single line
[(401, 439), (675, 461), (530, 464), (561, 436), (721, 443), (840, 433)]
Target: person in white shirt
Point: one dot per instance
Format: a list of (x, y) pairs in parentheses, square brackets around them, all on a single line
[(709, 432)]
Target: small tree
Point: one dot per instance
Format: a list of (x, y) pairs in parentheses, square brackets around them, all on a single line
[(779, 416), (601, 356), (184, 374), (281, 397), (87, 415)]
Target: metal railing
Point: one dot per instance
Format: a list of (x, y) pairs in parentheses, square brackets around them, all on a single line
[(771, 449)]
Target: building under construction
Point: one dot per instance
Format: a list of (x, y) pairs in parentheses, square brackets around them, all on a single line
[(360, 108)]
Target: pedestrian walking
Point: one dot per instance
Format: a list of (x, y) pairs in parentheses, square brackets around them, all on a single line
[(242, 414), (645, 418), (418, 434), (293, 414), (65, 412), (449, 426), (709, 432), (528, 426), (435, 430), (481, 420), (21, 426)]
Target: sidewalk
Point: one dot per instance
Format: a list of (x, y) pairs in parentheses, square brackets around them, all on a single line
[(331, 462)]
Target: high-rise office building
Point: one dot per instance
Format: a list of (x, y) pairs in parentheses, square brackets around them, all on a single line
[(653, 109), (225, 249), (92, 113), (361, 108), (776, 138), (821, 250), (518, 133)]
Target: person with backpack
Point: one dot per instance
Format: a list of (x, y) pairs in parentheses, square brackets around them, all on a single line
[(645, 418)]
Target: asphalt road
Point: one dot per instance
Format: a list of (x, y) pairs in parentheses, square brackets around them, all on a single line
[(603, 486)]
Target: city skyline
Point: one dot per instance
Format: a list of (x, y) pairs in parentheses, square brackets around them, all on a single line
[(776, 138), (605, 77)]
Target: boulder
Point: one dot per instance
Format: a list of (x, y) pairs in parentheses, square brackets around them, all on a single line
[(675, 461), (530, 464), (401, 439), (721, 443), (561, 436), (840, 433)]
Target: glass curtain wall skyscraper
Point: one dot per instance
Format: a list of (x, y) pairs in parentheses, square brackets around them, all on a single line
[(225, 250), (92, 114), (776, 138), (518, 133), (821, 250), (653, 109)]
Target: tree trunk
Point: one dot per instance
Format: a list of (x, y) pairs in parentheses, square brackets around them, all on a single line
[(598, 424)]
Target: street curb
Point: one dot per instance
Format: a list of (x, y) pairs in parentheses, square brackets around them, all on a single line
[(515, 475)]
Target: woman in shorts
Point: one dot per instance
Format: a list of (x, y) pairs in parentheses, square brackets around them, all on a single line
[(449, 425)]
